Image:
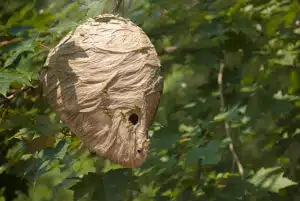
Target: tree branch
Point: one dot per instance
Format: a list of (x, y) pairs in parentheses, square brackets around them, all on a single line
[(227, 126), (12, 96)]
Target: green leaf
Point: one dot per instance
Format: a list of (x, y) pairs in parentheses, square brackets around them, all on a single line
[(8, 77), (294, 82), (87, 186), (44, 125), (27, 68), (40, 21), (95, 8), (26, 46), (2, 198), (271, 179), (164, 139), (19, 16), (208, 154), (286, 58), (233, 59), (59, 152), (118, 183), (221, 116), (71, 7), (63, 26), (229, 115)]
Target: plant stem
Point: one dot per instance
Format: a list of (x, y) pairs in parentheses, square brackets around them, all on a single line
[(227, 126)]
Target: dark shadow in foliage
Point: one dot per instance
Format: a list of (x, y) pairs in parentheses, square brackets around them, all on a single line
[(115, 185), (11, 184), (9, 181)]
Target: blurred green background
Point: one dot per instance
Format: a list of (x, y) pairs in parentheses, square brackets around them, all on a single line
[(228, 125)]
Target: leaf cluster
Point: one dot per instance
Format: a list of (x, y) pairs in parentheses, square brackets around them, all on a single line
[(257, 42)]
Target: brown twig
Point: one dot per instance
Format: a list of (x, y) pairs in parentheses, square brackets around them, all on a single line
[(6, 42), (227, 126), (12, 96), (44, 46)]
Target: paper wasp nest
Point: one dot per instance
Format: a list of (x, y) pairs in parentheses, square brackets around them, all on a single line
[(103, 81)]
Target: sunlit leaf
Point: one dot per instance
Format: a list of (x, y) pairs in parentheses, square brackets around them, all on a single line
[(229, 115), (271, 179)]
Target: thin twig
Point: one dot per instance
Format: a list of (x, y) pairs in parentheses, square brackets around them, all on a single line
[(6, 42), (117, 8), (12, 96), (227, 126), (44, 46)]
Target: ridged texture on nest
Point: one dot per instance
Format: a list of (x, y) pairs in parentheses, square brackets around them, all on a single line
[(103, 81)]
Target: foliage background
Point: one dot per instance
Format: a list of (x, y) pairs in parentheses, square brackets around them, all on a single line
[(251, 46)]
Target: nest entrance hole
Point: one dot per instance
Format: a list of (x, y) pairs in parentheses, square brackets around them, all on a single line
[(133, 118)]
